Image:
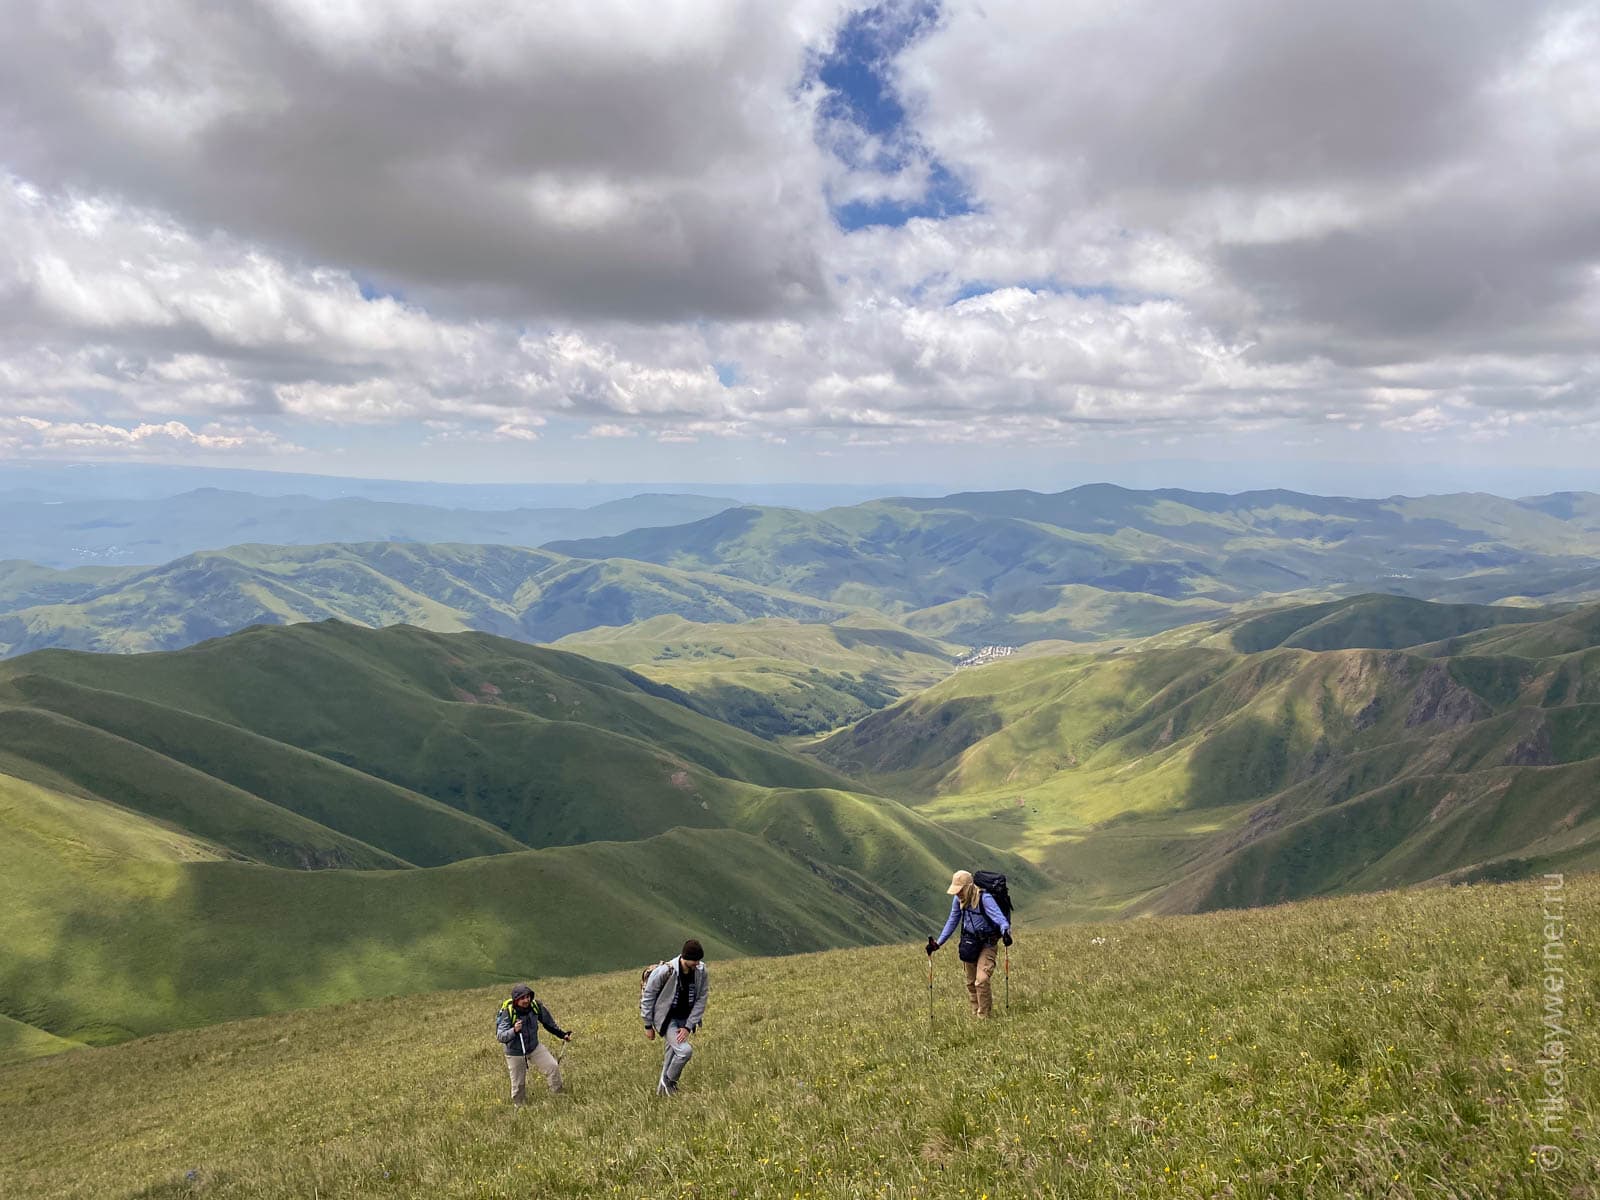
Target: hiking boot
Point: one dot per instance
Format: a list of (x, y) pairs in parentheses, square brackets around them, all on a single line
[(666, 1087)]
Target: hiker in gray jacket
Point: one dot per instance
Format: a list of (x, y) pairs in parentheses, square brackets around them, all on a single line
[(517, 1028), (672, 1005)]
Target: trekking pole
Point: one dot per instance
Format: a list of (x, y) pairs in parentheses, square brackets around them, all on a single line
[(1008, 980)]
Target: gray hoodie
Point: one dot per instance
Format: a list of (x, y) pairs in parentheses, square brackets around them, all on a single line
[(661, 990)]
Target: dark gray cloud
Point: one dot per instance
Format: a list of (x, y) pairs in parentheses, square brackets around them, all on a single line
[(1364, 181), (472, 219), (1455, 275), (546, 162)]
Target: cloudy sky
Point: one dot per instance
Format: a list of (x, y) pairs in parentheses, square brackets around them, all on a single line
[(983, 243)]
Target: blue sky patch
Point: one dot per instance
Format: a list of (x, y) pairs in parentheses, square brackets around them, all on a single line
[(1092, 291), (858, 75), (371, 289)]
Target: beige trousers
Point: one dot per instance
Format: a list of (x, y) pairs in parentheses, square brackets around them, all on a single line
[(978, 980), (517, 1065)]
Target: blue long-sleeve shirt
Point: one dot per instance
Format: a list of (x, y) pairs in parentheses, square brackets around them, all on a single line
[(982, 921)]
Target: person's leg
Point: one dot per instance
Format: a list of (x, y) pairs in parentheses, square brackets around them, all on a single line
[(662, 1087), (546, 1062), (982, 969), (972, 987), (517, 1066), (676, 1059)]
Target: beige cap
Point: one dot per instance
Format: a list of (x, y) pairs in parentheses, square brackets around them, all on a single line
[(959, 882)]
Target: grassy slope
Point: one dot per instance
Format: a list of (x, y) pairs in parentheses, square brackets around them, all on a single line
[(206, 775), (57, 752), (25, 584), (112, 925), (19, 1042), (316, 745), (1375, 1046), (775, 676), (425, 747), (1376, 621), (1257, 776)]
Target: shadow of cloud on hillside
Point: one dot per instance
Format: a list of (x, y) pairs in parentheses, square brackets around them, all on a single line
[(884, 639), (903, 739), (221, 941), (1248, 758)]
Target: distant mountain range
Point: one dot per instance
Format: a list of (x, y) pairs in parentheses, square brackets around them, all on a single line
[(122, 531), (1009, 568), (534, 595), (1096, 561), (35, 481)]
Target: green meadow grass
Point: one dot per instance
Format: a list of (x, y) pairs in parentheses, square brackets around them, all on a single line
[(1375, 1046), (19, 1041)]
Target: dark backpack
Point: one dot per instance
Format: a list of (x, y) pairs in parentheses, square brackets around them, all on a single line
[(995, 884)]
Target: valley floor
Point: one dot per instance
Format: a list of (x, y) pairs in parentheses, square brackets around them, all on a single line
[(1383, 1045)]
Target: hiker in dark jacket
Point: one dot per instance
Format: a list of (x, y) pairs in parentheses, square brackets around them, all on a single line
[(983, 925), (517, 1028), (672, 1004)]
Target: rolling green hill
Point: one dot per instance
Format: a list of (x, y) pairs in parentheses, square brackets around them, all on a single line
[(776, 676), (458, 746), (1191, 776), (301, 815), (506, 590), (1384, 1045), (27, 584), (105, 944), (1369, 621)]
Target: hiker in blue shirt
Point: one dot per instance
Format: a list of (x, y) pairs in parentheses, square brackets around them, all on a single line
[(983, 926)]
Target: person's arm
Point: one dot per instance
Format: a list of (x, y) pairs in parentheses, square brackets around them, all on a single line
[(503, 1031), (549, 1022), (652, 989), (949, 926), (698, 1012), (992, 911)]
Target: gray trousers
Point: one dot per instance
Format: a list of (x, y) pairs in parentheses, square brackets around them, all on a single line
[(517, 1067), (677, 1057)]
